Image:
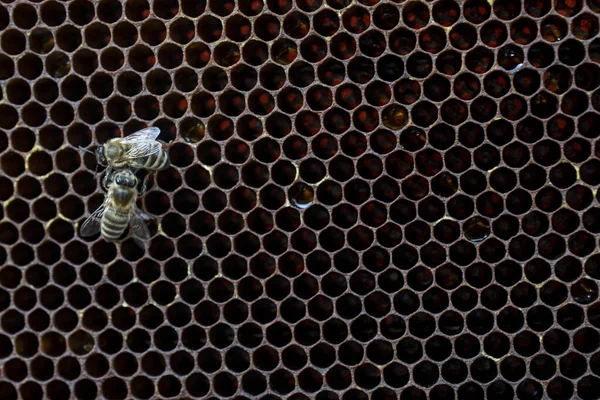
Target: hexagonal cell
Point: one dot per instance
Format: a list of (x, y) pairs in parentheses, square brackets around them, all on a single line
[(342, 173)]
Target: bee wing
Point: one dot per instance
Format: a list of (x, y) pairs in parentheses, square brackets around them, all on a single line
[(142, 135), (143, 149), (138, 227), (143, 143), (92, 224)]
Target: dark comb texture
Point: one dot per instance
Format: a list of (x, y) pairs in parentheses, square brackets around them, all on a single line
[(367, 200)]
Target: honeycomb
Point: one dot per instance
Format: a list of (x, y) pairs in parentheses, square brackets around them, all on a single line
[(367, 200)]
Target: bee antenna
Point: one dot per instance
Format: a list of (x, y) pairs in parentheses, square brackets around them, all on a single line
[(86, 150), (92, 153)]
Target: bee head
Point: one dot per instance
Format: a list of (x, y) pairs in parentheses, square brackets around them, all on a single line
[(126, 178), (100, 156)]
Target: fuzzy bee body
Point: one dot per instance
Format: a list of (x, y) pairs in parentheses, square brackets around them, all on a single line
[(116, 217), (118, 210), (139, 150), (152, 162)]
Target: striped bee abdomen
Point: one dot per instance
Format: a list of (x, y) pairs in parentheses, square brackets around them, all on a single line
[(154, 162), (113, 224)]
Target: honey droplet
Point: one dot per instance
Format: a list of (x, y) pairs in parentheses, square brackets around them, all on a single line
[(584, 291), (193, 133), (395, 117), (285, 52), (301, 195), (476, 229), (554, 29), (58, 64)]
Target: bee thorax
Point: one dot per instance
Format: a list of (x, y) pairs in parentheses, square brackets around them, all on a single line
[(113, 151), (123, 196)]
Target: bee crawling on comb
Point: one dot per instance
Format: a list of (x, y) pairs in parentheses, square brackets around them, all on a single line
[(124, 157), (118, 210), (140, 150)]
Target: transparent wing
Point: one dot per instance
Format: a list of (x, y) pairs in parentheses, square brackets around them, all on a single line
[(142, 135), (142, 149), (91, 225), (143, 143), (138, 227)]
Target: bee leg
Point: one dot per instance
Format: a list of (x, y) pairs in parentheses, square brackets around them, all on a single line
[(145, 185), (144, 216), (106, 179), (139, 243)]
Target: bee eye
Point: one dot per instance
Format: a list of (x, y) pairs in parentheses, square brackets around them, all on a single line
[(118, 180), (100, 156)]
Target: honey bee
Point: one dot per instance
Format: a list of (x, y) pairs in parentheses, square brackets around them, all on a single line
[(140, 150), (118, 210)]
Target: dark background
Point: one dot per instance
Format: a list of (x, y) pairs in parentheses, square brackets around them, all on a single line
[(369, 199)]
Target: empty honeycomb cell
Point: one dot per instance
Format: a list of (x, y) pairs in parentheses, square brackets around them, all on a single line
[(85, 62), (523, 31), (466, 86), (68, 38), (5, 18), (296, 25), (423, 113), (250, 192), (46, 91), (574, 102), (141, 58), (568, 52), (137, 10), (118, 109), (9, 116), (356, 19), (478, 60), (254, 7), (157, 82), (60, 230), (559, 127), (585, 26), (585, 76), (497, 84), (442, 137), (209, 153), (33, 114), (8, 68), (407, 91), (153, 32), (493, 33), (54, 13), (462, 37), (267, 27), (272, 77), (182, 30), (527, 81), (16, 369), (186, 80), (97, 35), (586, 124), (129, 84), (41, 41), (125, 34), (232, 103), (109, 11), (166, 9), (214, 79)]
